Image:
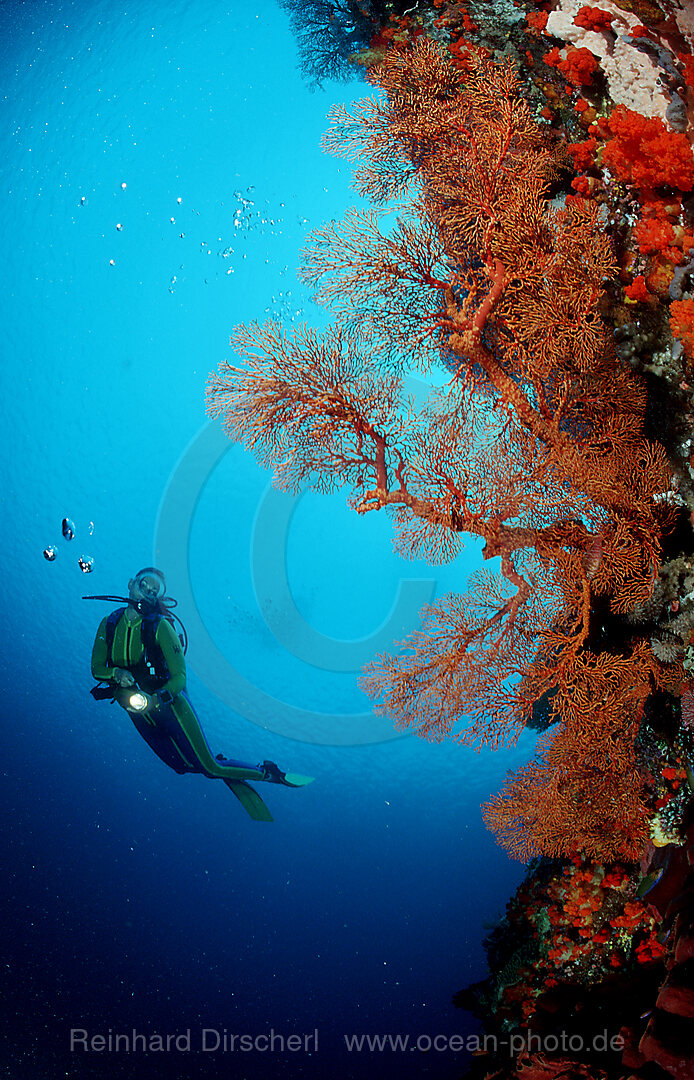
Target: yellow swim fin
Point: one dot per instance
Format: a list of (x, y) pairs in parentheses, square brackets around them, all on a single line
[(295, 779), (250, 800)]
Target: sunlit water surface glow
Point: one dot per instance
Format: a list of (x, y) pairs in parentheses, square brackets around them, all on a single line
[(160, 169)]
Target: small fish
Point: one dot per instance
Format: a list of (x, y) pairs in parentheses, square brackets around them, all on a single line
[(649, 882)]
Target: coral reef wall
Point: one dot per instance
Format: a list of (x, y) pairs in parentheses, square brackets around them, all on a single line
[(541, 256)]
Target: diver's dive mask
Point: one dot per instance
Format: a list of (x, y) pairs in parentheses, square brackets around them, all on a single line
[(151, 586)]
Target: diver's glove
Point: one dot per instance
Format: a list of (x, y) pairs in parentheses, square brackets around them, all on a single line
[(122, 677)]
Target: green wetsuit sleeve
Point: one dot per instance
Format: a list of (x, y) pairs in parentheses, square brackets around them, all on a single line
[(168, 641), (100, 654)]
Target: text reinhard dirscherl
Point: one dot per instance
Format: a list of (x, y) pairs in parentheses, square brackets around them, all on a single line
[(216, 1040), (206, 1041)]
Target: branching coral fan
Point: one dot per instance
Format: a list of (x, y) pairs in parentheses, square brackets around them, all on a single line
[(536, 445)]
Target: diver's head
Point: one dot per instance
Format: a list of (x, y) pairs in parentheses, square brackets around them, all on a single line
[(146, 589)]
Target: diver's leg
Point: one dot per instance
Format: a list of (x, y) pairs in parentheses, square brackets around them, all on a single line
[(190, 740), (157, 737), (230, 761)]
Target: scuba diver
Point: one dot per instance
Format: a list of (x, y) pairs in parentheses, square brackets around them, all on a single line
[(139, 655)]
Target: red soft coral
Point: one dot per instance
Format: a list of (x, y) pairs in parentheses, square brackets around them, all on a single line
[(653, 234), (537, 19), (688, 65), (642, 32), (583, 153), (637, 290), (577, 65), (643, 152), (592, 18), (682, 323)]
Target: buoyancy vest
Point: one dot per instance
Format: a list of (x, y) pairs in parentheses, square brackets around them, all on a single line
[(151, 671)]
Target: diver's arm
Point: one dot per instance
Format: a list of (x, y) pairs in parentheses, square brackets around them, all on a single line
[(168, 640), (100, 655)]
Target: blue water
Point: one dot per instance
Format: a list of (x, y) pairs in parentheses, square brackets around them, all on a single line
[(136, 898)]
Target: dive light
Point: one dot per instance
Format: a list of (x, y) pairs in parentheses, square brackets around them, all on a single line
[(137, 701)]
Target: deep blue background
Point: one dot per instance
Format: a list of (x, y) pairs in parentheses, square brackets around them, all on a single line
[(135, 897)]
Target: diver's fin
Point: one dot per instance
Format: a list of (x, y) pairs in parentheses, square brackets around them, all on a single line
[(274, 775), (250, 800), (295, 779)]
